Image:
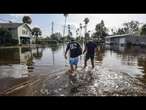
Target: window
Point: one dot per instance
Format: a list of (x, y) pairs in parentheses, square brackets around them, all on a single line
[(26, 32), (23, 31), (9, 29)]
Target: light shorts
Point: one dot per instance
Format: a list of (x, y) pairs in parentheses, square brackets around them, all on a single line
[(73, 61)]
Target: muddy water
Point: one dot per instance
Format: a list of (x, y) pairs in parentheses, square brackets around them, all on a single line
[(117, 68)]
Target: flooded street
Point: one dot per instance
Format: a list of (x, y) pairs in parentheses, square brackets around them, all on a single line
[(41, 71)]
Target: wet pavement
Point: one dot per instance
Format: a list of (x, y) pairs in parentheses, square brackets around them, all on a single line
[(32, 80), (88, 82)]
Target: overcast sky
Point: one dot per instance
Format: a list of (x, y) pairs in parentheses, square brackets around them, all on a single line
[(44, 20)]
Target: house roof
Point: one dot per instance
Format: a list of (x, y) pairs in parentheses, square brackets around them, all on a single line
[(123, 35), (12, 25)]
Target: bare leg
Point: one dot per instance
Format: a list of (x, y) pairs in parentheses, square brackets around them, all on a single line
[(92, 62), (85, 63), (72, 68), (76, 67), (73, 73)]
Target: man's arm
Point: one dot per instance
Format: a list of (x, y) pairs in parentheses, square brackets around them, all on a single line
[(85, 49), (67, 48), (95, 49)]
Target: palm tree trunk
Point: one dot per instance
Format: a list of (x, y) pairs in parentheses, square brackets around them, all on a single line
[(85, 28), (53, 57), (64, 28), (64, 35), (85, 33), (80, 34), (36, 39)]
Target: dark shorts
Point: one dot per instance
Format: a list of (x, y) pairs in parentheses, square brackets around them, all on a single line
[(89, 57)]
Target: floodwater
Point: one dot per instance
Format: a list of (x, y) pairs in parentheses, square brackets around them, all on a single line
[(18, 64)]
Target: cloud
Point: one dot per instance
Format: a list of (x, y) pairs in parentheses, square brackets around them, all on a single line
[(20, 15), (17, 17), (35, 26), (111, 21)]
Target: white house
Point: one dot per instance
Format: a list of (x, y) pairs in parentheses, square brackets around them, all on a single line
[(126, 39), (116, 39), (20, 32)]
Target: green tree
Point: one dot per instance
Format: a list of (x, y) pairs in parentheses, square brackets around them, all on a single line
[(87, 37), (121, 31), (81, 30), (94, 35), (36, 32), (38, 54), (81, 39), (131, 27), (113, 31), (69, 32), (101, 31), (86, 20), (77, 32), (63, 39), (5, 36), (27, 19), (78, 38), (69, 29), (56, 36), (143, 30), (65, 15)]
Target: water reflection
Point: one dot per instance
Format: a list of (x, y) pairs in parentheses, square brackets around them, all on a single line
[(54, 48), (9, 56), (14, 62), (130, 60), (100, 51), (37, 53)]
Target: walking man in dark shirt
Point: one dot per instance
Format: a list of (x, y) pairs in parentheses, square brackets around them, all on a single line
[(75, 51), (90, 48)]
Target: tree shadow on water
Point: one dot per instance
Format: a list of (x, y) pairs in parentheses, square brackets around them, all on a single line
[(38, 54)]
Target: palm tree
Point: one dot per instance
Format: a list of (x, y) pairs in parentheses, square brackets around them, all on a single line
[(68, 29), (86, 20), (27, 19), (36, 32), (143, 30), (89, 33), (65, 15), (80, 29), (69, 32), (77, 32)]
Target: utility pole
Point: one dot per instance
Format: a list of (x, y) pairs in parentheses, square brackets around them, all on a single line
[(64, 27), (52, 27)]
